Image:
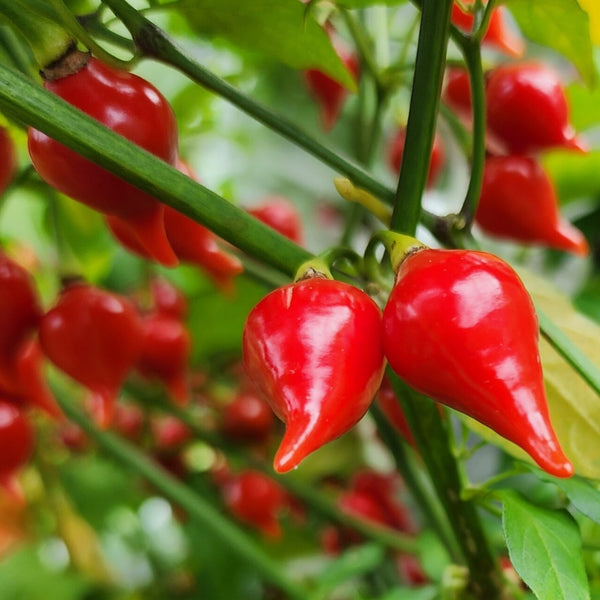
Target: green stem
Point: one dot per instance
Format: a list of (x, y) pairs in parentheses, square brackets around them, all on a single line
[(16, 51), (472, 53), (423, 498), (44, 111), (362, 43), (197, 506), (48, 40), (432, 434), (420, 128)]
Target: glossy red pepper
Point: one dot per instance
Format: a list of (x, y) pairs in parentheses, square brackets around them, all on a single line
[(280, 214), (16, 443), (527, 109), (257, 500), (329, 93), (165, 354), (436, 163), (460, 327), (498, 35), (95, 337), (518, 202), (191, 242), (314, 349), (8, 159), (248, 419), (135, 109)]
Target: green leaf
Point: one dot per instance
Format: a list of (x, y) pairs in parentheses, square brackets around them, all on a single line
[(574, 175), (558, 24), (582, 494), (277, 28), (544, 547), (574, 406), (428, 592)]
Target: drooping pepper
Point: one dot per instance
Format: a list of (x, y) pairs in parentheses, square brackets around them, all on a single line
[(314, 349), (518, 202), (460, 327)]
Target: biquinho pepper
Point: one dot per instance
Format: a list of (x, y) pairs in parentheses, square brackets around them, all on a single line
[(280, 214), (527, 111), (16, 444), (95, 337), (518, 202), (460, 327), (314, 349), (498, 35), (135, 109)]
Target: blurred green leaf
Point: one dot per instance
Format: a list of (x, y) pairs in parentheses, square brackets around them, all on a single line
[(428, 592), (365, 3), (574, 175), (584, 105), (277, 28), (24, 576), (544, 547), (561, 25)]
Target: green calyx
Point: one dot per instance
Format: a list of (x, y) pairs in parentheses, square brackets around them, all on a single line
[(48, 40), (398, 245), (313, 268)]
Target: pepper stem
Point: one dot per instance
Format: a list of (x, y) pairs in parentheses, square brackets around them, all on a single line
[(398, 245)]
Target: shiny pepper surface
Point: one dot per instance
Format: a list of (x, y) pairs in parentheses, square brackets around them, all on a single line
[(518, 202), (95, 337), (314, 349), (460, 327), (135, 109), (527, 109), (280, 214)]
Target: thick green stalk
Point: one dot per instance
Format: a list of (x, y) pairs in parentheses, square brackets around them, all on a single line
[(198, 508), (432, 434), (44, 111), (422, 117)]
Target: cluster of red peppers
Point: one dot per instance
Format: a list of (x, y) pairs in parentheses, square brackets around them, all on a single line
[(526, 113)]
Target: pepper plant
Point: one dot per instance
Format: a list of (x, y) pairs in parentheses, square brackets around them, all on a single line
[(299, 299)]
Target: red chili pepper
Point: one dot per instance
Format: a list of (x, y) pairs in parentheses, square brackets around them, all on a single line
[(280, 214), (135, 109), (8, 159), (436, 163), (460, 327), (329, 93), (169, 434), (129, 420), (95, 337), (191, 242), (498, 35), (248, 419), (527, 109), (16, 444), (314, 349), (165, 354), (256, 499), (518, 202)]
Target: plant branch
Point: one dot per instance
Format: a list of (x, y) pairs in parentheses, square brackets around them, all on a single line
[(197, 506), (424, 103)]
